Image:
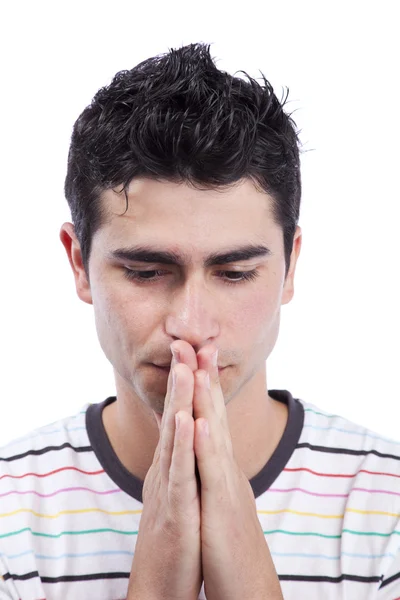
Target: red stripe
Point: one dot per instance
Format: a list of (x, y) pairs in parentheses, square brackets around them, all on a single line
[(53, 472), (343, 475)]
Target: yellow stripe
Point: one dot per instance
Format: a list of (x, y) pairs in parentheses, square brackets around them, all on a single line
[(307, 514), (71, 512), (373, 512), (297, 512), (138, 512)]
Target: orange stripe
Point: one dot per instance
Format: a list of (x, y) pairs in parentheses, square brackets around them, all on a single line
[(340, 474), (53, 472)]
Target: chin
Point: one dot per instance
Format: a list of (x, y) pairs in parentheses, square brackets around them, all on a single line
[(151, 390), (151, 383)]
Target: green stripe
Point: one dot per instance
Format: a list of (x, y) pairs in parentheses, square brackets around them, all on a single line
[(371, 533), (107, 530), (320, 413), (331, 536), (301, 533), (57, 535)]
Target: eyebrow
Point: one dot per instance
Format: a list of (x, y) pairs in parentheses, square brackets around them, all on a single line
[(150, 254)]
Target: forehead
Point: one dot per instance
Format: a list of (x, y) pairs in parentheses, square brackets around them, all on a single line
[(171, 213)]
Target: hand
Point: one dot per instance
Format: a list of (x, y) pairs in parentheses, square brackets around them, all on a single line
[(236, 560), (167, 560)]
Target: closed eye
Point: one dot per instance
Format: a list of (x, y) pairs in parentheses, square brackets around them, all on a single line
[(147, 277)]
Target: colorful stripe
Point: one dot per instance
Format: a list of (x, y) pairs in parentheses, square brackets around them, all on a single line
[(127, 553), (45, 450), (54, 472), (351, 432), (350, 451), (348, 475), (61, 491), (341, 539)]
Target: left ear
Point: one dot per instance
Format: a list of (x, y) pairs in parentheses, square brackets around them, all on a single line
[(288, 288)]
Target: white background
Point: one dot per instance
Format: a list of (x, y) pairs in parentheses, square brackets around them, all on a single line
[(339, 340)]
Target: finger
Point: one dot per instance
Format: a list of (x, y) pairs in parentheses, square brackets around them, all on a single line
[(169, 391), (207, 359), (160, 418), (205, 406), (212, 446), (181, 352), (187, 354), (209, 363), (205, 416), (204, 453), (181, 398), (182, 484)]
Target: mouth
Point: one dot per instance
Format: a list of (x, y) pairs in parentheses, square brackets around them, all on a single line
[(167, 368)]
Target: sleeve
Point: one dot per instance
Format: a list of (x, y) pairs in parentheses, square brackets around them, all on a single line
[(389, 588)]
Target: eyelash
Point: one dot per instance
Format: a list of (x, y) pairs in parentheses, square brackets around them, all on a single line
[(133, 276)]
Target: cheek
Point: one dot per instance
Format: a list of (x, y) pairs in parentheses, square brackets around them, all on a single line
[(255, 324), (123, 316), (256, 315), (116, 320)]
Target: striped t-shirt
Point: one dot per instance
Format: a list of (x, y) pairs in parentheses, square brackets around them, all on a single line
[(328, 501)]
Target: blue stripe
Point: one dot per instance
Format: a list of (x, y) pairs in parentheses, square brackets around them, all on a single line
[(60, 556), (127, 553), (40, 433), (324, 556), (364, 433)]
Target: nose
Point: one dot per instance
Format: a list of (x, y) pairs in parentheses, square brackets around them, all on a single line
[(193, 313)]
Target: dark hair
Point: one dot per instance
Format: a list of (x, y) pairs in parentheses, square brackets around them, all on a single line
[(176, 117)]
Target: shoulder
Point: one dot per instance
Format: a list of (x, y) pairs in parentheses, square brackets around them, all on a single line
[(333, 444), (324, 423), (40, 445), (344, 483), (38, 474)]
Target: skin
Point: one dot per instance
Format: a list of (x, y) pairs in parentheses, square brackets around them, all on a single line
[(137, 322)]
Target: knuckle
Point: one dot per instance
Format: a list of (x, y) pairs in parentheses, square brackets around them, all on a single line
[(175, 485), (175, 497), (166, 447), (171, 527), (147, 487)]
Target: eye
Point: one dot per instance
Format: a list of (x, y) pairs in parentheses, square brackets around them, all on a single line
[(243, 276), (145, 277), (141, 276)]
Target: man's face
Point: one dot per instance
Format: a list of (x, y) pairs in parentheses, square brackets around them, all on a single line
[(137, 319)]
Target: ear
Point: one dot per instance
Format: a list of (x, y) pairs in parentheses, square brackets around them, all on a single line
[(73, 249), (288, 288)]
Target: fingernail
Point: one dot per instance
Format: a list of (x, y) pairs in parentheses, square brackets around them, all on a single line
[(215, 359), (176, 355), (158, 419), (207, 380)]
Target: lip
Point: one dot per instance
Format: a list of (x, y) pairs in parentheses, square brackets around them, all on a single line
[(168, 368)]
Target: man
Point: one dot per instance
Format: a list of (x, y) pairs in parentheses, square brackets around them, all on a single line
[(195, 480)]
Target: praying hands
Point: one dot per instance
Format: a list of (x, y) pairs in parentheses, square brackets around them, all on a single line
[(199, 528)]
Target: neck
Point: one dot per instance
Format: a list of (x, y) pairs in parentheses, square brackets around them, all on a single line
[(256, 422)]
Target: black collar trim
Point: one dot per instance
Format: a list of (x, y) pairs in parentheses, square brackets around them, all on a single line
[(133, 486)]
